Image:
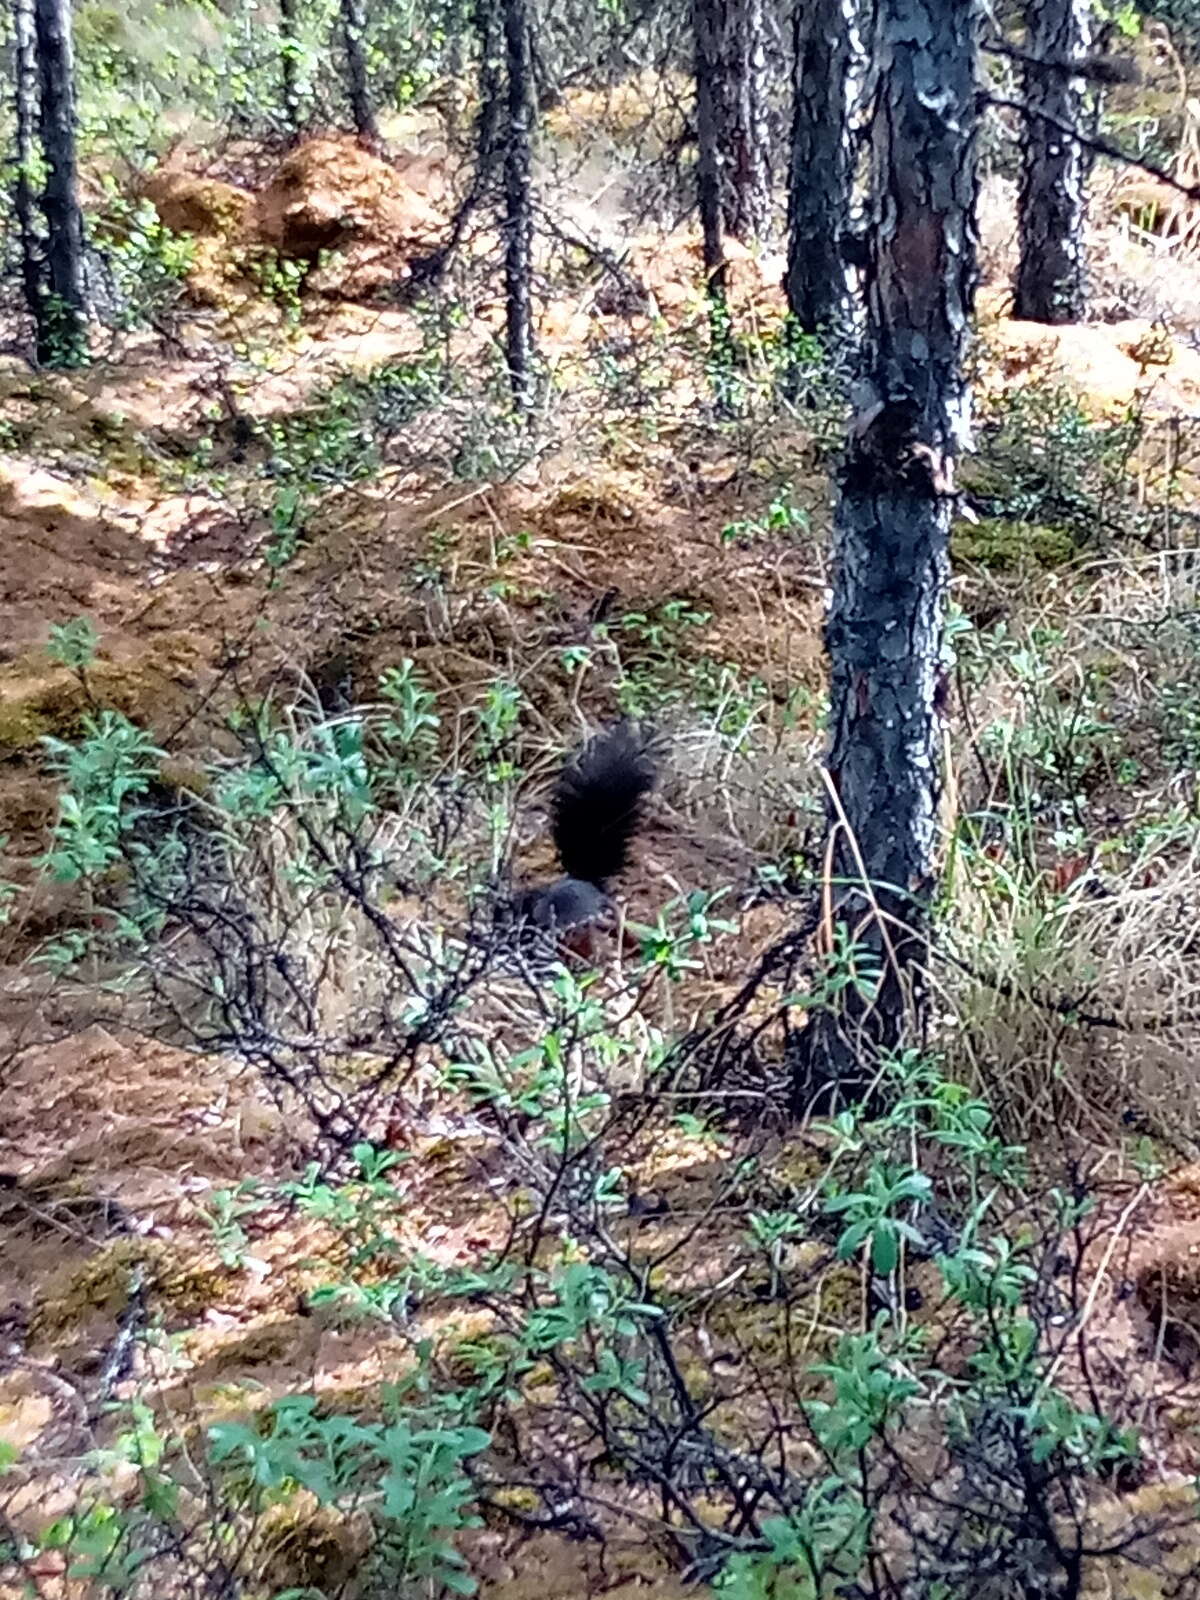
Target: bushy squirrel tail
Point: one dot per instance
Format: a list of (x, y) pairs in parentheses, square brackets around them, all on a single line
[(598, 804)]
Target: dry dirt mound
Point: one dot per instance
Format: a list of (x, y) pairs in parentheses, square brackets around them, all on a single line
[(327, 195), (330, 195), (1111, 366), (187, 203)]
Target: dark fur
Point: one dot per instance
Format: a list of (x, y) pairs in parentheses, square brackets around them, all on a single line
[(598, 805)]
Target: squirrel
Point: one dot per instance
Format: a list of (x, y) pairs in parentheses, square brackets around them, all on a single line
[(595, 813)]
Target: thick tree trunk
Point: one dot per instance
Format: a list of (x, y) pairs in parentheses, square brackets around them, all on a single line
[(892, 529), (354, 29), (65, 307), (744, 138), (289, 66), (1050, 275), (518, 205), (822, 163), (25, 116)]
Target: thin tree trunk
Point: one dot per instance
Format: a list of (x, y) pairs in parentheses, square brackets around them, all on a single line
[(289, 65), (1050, 274), (518, 205), (707, 34), (822, 164), (746, 169), (490, 33), (65, 303), (488, 28), (354, 28), (892, 529), (25, 112)]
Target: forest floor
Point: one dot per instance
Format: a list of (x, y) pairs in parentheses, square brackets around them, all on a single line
[(145, 494)]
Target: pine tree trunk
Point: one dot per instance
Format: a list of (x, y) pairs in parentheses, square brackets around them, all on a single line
[(289, 66), (819, 187), (65, 306), (354, 28), (707, 30), (25, 116), (744, 139), (892, 529), (490, 34), (1050, 275), (488, 28), (708, 38), (518, 205)]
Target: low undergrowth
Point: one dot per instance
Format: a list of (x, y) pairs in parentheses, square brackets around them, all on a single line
[(868, 1356)]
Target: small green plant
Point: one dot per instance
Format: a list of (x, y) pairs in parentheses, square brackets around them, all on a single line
[(782, 517), (74, 644), (770, 1230), (410, 729), (148, 263), (280, 279), (102, 776), (1044, 461), (870, 1215), (683, 928)]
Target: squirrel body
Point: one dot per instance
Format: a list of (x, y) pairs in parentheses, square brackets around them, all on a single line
[(595, 814)]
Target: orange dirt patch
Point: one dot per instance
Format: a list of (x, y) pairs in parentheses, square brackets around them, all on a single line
[(331, 195), (1112, 366), (188, 203)]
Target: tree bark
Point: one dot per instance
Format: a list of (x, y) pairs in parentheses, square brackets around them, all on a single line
[(354, 28), (518, 205), (892, 529), (488, 28), (1050, 274), (65, 305), (707, 31), (822, 167), (25, 116), (744, 139), (289, 66), (708, 36)]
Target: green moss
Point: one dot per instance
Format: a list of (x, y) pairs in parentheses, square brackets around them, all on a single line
[(261, 1347), (20, 726), (1002, 545), (101, 1286), (303, 1545)]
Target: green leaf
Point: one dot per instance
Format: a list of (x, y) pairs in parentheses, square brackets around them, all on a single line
[(884, 1251)]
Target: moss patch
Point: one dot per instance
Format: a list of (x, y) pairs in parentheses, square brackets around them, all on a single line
[(101, 1286), (21, 726), (1003, 546), (303, 1545)]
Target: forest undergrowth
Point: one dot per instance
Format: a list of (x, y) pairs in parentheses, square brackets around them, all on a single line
[(361, 1250)]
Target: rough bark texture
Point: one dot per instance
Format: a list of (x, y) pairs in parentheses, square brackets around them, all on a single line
[(821, 166), (354, 28), (1050, 274), (707, 31), (708, 36), (25, 116), (289, 65), (65, 307), (518, 205), (892, 528), (744, 137), (488, 29), (490, 34)]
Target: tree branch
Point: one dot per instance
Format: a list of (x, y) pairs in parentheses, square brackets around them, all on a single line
[(1100, 147)]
